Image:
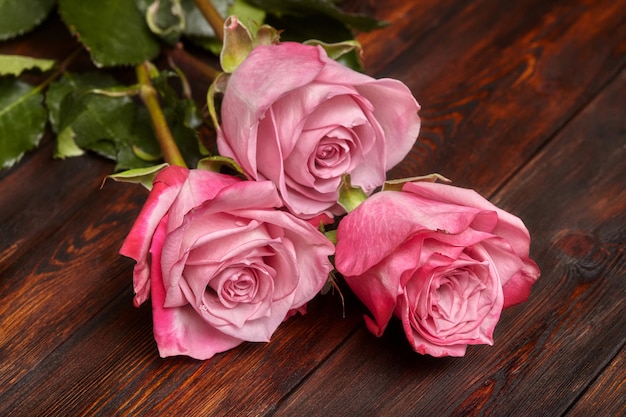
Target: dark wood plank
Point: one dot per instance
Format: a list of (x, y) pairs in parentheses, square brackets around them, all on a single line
[(65, 268), (607, 394), (547, 350), (495, 79), (39, 197)]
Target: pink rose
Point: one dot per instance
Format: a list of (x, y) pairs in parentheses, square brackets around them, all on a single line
[(221, 263), (294, 116), (441, 258)]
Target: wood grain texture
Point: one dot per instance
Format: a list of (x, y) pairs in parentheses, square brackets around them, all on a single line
[(501, 78), (521, 100), (607, 393)]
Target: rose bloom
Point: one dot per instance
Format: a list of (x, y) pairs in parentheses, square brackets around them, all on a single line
[(294, 116), (441, 258), (220, 262)]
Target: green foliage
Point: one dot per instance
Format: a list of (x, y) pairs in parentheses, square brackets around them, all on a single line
[(16, 64), (101, 124), (165, 18), (173, 19), (22, 119), (315, 15), (87, 119), (92, 112), (182, 117), (114, 31), (20, 16), (68, 83)]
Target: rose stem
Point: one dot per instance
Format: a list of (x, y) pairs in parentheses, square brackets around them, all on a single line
[(149, 96), (59, 69), (184, 59), (212, 16)]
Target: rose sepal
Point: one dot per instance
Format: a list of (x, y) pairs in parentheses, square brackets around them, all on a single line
[(215, 163), (143, 176), (337, 49), (238, 43), (396, 185), (218, 86), (267, 35), (350, 197)]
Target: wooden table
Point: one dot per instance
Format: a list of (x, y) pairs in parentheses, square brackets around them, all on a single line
[(523, 101)]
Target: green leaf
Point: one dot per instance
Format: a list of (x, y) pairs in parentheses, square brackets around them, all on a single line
[(114, 31), (93, 112), (182, 118), (22, 119), (98, 122), (16, 64), (165, 18), (171, 18), (65, 142), (332, 236), (71, 82), (66, 145), (20, 16)]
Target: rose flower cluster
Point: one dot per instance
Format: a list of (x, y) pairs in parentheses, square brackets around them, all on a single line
[(226, 260)]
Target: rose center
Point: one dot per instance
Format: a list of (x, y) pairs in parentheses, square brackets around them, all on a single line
[(240, 286), (325, 152), (454, 293), (332, 156)]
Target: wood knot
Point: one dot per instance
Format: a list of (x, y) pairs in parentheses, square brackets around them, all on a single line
[(575, 245), (586, 256)]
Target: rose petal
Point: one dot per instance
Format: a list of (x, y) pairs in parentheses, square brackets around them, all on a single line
[(285, 67), (509, 227), (396, 111), (180, 331), (380, 224), (165, 190)]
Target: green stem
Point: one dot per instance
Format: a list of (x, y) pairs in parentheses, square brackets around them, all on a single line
[(149, 95), (188, 62), (212, 16), (59, 70)]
